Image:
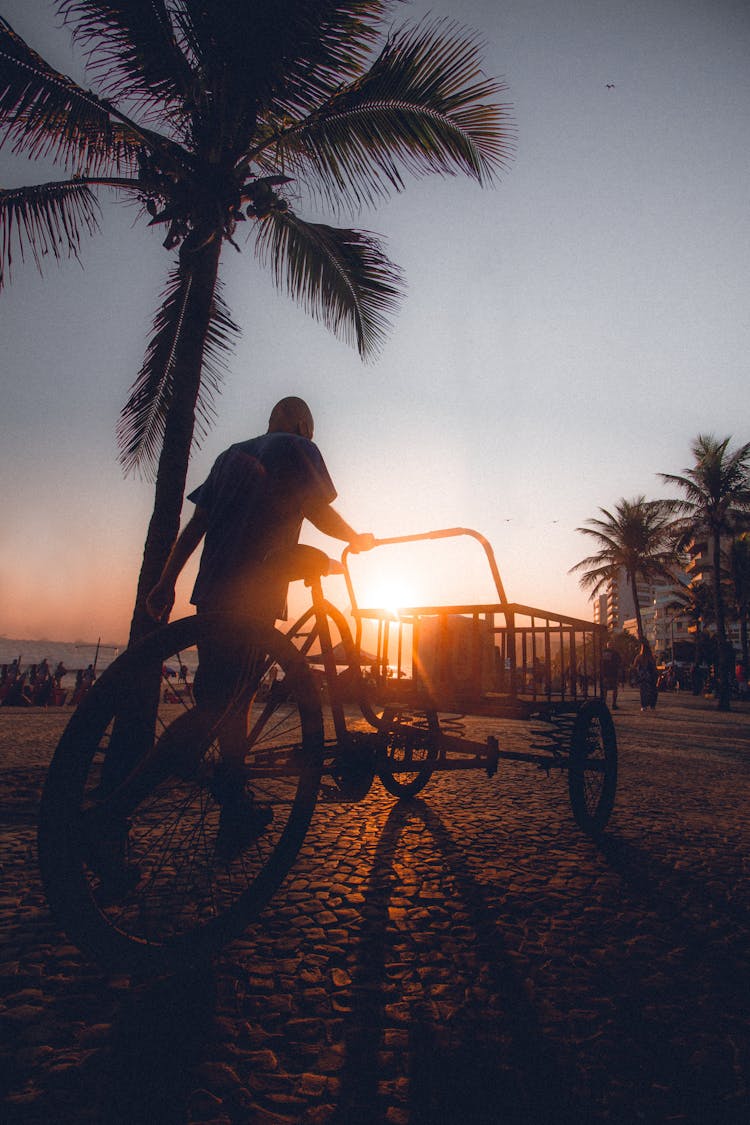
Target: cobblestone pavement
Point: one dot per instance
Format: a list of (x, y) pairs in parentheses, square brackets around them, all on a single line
[(465, 957)]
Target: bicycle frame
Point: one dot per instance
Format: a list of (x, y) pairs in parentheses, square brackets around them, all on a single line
[(149, 873)]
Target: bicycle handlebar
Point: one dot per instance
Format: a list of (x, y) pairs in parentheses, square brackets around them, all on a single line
[(442, 533)]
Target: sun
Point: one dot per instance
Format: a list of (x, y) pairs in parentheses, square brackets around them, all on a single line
[(391, 594)]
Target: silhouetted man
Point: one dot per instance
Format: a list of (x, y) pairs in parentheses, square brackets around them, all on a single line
[(250, 506)]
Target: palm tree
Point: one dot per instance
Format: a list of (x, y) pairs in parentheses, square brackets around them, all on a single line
[(715, 505), (636, 540), (738, 571), (220, 116), (695, 603)]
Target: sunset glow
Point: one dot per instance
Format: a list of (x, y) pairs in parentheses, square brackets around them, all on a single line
[(541, 315)]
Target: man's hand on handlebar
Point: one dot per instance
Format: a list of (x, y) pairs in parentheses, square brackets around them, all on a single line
[(363, 542), (160, 601)]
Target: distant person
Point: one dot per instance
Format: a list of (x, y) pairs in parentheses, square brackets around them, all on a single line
[(59, 672), (43, 691), (78, 690), (252, 504), (19, 693), (645, 677), (609, 672), (696, 678)]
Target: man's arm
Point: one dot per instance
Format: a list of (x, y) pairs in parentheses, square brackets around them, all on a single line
[(327, 520), (161, 599)]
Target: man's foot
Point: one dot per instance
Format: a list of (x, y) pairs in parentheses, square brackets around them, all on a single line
[(241, 822), (107, 854)]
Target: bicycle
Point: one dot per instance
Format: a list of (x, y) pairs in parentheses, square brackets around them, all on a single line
[(131, 805)]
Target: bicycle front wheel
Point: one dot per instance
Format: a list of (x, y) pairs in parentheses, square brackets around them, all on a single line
[(130, 833)]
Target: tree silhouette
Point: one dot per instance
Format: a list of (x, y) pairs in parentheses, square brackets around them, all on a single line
[(635, 539), (222, 116), (695, 603), (738, 573), (715, 505)]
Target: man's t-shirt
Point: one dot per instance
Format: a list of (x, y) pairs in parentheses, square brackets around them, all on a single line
[(255, 497)]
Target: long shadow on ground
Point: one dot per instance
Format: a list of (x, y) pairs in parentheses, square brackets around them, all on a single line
[(682, 1000), (481, 1067), (157, 1040)]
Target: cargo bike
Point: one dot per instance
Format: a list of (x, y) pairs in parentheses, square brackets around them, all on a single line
[(131, 807)]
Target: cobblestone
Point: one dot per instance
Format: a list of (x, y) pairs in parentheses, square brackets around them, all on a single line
[(468, 956)]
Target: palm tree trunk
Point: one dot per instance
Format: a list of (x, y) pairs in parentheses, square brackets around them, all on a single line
[(723, 659), (178, 435), (133, 729), (638, 618)]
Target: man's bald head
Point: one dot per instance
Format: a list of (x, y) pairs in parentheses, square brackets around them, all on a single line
[(291, 416)]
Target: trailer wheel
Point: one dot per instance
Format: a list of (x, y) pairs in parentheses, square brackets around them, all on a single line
[(408, 749)]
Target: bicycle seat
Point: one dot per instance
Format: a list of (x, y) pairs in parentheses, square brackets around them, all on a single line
[(301, 561)]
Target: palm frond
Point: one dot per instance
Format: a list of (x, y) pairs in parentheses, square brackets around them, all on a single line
[(715, 489), (637, 538), (45, 219), (340, 276), (140, 429), (422, 108), (279, 54), (692, 492), (132, 51), (598, 568), (44, 114)]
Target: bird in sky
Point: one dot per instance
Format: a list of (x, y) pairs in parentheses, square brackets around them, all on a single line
[(610, 85)]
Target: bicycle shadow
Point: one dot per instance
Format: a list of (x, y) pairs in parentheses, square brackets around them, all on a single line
[(479, 1068), (706, 923), (662, 887), (158, 1038), (686, 986)]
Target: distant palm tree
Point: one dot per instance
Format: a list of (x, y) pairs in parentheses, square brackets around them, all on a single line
[(715, 505), (634, 539), (738, 573), (223, 114), (694, 603)]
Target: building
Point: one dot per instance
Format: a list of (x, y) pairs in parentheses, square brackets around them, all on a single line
[(667, 631), (600, 609), (620, 605), (658, 601)]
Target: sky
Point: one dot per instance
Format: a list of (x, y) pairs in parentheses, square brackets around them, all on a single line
[(565, 335)]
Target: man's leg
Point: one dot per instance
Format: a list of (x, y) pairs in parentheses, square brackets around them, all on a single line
[(228, 675)]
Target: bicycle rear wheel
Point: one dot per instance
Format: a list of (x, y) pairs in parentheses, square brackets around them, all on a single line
[(130, 858)]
